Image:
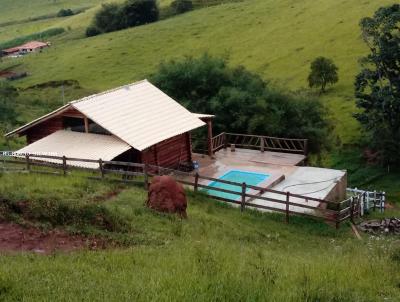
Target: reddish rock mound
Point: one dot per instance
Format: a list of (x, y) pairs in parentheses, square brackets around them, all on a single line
[(14, 237), (166, 195)]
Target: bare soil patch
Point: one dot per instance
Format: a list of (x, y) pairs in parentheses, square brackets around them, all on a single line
[(15, 238)]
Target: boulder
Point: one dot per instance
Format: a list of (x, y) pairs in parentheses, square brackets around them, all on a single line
[(167, 195)]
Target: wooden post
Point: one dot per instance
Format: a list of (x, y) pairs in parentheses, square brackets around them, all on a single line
[(351, 209), (28, 163), (225, 141), (243, 205), (262, 144), (196, 182), (210, 138), (374, 201), (101, 168), (86, 124), (287, 206), (64, 164), (146, 177)]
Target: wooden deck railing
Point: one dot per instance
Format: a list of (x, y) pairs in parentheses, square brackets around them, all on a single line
[(260, 142), (247, 195)]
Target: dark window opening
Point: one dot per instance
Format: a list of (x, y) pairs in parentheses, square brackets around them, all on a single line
[(75, 124)]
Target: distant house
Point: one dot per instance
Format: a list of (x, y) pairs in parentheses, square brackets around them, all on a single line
[(28, 47), (134, 123)]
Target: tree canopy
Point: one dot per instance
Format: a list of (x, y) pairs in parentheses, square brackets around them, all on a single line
[(323, 72), (241, 100), (113, 16), (377, 86)]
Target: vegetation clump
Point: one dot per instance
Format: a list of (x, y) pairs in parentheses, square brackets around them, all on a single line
[(323, 72), (65, 12), (113, 17), (241, 100), (377, 86)]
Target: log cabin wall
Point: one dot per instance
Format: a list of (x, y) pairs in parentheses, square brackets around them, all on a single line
[(169, 153), (49, 126)]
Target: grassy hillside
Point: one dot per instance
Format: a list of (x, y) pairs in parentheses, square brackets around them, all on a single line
[(217, 254), (276, 39)]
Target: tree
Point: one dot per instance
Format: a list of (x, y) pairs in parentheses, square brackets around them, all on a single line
[(108, 18), (181, 6), (377, 86), (323, 72), (112, 17), (138, 12), (241, 100)]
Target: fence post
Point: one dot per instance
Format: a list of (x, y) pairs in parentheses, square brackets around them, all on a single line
[(146, 177), (287, 206), (262, 144), (64, 164), (374, 201), (101, 168), (28, 163), (242, 205), (196, 182), (225, 141), (352, 209)]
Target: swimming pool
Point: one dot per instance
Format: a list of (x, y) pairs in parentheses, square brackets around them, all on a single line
[(250, 178)]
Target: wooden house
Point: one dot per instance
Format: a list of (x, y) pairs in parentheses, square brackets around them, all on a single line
[(134, 123)]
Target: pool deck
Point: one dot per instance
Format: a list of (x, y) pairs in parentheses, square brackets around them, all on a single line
[(283, 168)]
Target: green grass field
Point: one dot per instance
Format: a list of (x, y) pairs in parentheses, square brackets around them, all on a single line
[(277, 39), (217, 254)]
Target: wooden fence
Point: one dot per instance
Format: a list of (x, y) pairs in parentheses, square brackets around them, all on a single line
[(260, 142), (248, 196)]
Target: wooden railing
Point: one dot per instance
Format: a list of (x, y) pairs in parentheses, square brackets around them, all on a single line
[(247, 195), (260, 142)]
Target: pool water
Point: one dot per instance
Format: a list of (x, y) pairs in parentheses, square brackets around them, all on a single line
[(250, 178)]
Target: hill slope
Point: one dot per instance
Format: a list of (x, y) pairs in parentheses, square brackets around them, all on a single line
[(217, 254), (276, 39)]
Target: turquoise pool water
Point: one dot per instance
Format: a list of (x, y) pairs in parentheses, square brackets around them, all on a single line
[(250, 178)]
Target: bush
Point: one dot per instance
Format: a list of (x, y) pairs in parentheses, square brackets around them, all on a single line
[(138, 12), (242, 101), (92, 31), (65, 12), (109, 18), (182, 6), (113, 17)]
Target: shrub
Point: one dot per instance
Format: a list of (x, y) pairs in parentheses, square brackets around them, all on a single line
[(242, 101), (182, 6), (92, 31), (138, 12), (65, 12), (112, 17), (109, 18)]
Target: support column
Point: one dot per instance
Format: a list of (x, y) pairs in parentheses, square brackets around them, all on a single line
[(86, 124), (209, 138)]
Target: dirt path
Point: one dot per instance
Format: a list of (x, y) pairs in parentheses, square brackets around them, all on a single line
[(15, 238)]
